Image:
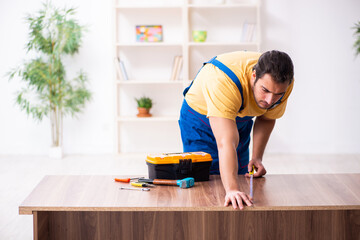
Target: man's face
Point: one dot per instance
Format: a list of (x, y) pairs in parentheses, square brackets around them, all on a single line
[(266, 91)]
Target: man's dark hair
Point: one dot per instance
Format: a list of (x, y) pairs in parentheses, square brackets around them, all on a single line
[(277, 64)]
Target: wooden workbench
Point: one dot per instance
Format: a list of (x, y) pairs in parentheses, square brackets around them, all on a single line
[(323, 206)]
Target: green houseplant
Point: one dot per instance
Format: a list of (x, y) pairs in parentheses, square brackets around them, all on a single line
[(144, 104), (357, 35), (48, 92)]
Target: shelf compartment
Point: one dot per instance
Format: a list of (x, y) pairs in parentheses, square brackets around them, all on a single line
[(152, 64), (167, 99), (169, 19), (224, 26), (149, 137)]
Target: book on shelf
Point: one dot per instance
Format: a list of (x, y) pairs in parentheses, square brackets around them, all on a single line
[(120, 69), (176, 69), (175, 61), (248, 32), (179, 68)]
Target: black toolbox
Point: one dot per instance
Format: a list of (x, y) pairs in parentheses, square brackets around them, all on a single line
[(179, 165)]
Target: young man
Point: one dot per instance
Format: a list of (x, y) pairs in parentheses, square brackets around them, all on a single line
[(216, 115)]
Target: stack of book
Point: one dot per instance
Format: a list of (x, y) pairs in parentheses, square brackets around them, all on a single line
[(248, 32), (120, 69), (176, 69)]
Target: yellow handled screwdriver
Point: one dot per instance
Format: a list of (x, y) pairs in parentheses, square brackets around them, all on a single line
[(141, 184)]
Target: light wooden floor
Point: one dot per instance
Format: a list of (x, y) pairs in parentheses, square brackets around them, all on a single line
[(20, 174)]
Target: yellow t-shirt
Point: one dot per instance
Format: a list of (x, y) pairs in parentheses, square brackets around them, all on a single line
[(214, 94)]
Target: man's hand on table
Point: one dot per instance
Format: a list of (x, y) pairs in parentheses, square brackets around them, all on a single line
[(259, 168), (237, 199)]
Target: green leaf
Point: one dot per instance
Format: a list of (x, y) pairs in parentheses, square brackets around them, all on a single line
[(357, 35), (144, 102)]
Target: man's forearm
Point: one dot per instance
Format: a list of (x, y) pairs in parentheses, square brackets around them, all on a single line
[(227, 140), (228, 167), (261, 134)]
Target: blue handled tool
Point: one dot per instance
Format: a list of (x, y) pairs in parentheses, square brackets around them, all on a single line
[(183, 183)]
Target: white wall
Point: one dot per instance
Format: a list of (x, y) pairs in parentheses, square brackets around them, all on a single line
[(323, 111)]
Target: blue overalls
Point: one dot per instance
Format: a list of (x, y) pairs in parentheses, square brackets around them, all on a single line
[(196, 133)]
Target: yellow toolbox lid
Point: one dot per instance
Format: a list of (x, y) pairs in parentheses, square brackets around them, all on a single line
[(173, 158)]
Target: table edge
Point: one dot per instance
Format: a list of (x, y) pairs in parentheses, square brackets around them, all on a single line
[(27, 210)]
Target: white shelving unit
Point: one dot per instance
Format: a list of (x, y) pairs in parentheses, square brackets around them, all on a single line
[(149, 65)]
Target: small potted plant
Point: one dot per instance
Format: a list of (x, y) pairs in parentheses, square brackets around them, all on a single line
[(144, 105)]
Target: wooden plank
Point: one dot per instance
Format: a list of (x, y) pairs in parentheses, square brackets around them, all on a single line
[(326, 224), (101, 193), (41, 225), (35, 226), (79, 225)]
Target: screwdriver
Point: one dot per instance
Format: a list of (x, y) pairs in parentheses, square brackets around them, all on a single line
[(251, 182), (126, 180), (141, 184), (139, 189)]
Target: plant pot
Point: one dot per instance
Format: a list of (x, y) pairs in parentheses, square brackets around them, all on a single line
[(56, 152), (143, 112)]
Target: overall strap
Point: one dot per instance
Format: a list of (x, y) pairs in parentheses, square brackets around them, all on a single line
[(231, 75), (228, 72), (187, 89)]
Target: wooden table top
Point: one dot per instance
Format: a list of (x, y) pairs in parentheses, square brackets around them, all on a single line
[(272, 192)]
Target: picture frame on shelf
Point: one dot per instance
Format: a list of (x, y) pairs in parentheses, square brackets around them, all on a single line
[(149, 33)]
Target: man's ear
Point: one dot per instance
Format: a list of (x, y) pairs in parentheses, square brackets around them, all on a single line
[(253, 74)]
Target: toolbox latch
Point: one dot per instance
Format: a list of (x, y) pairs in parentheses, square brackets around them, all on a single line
[(185, 166)]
